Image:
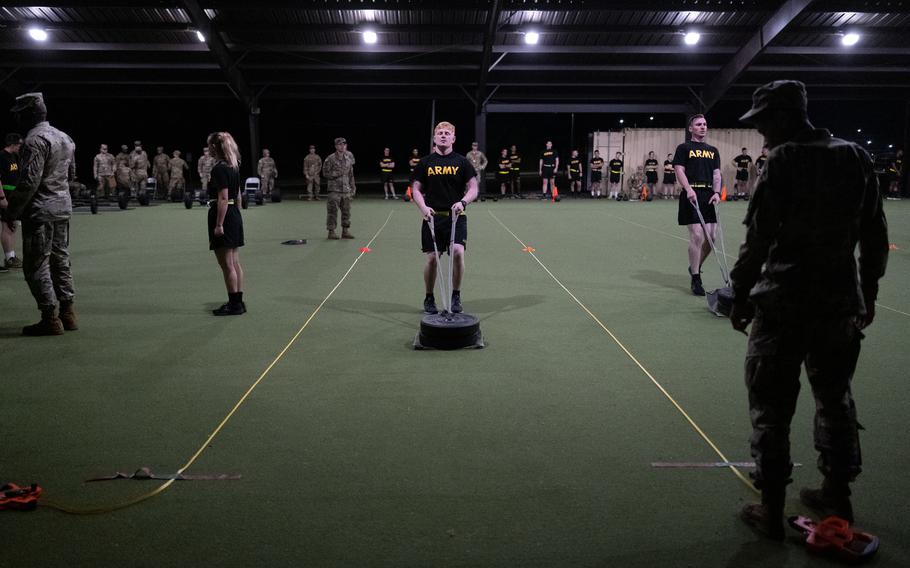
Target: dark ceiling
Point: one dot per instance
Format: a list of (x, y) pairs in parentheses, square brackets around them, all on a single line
[(597, 52)]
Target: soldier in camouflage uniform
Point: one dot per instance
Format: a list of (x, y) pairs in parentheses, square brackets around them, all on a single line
[(139, 168), (103, 172), (204, 168), (160, 166), (267, 171), (479, 161), (338, 170), (123, 173), (797, 276), (42, 201), (312, 165), (176, 167)]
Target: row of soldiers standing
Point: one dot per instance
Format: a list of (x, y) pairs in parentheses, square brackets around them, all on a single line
[(131, 170)]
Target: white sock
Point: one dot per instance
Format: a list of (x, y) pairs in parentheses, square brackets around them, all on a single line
[(11, 254)]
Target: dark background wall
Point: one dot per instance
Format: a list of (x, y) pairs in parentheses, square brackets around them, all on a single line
[(288, 126)]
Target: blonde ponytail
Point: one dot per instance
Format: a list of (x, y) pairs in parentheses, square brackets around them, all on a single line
[(225, 148)]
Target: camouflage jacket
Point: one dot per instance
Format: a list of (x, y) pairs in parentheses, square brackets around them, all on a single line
[(816, 199), (339, 172), (161, 162), (312, 165), (267, 168), (205, 165), (139, 162), (103, 166), (176, 167), (47, 165), (478, 160), (122, 160)]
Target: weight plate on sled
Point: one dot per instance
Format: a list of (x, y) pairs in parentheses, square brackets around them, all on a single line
[(449, 331)]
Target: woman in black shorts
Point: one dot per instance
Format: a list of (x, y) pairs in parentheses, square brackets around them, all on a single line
[(225, 222)]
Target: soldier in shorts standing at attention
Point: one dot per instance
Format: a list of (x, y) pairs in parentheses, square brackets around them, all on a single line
[(697, 166), (597, 174), (742, 162)]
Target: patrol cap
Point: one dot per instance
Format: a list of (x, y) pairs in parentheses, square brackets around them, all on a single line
[(777, 95), (340, 140), (29, 101), (137, 142), (124, 147)]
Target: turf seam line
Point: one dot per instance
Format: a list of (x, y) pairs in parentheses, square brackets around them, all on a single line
[(634, 359), (217, 430), (734, 258)]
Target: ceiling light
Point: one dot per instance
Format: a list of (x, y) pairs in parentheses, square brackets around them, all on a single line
[(650, 118), (37, 34), (850, 39), (692, 38), (531, 38), (858, 130), (621, 120), (890, 145), (370, 36), (868, 142), (200, 36)]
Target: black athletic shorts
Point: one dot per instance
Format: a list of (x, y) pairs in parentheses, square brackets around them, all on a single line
[(687, 214), (503, 177), (385, 177), (651, 177), (516, 174), (742, 175), (546, 173), (596, 177), (614, 178), (443, 228), (669, 179), (233, 228)]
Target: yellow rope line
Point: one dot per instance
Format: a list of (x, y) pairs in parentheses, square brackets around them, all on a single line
[(217, 430), (634, 359)]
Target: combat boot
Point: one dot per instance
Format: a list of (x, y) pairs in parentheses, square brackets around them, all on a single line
[(697, 288), (767, 517), (345, 234), (68, 316), (832, 499), (50, 324), (333, 235)]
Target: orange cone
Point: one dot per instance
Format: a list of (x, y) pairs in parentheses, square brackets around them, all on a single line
[(723, 193), (555, 194), (407, 194), (644, 193)]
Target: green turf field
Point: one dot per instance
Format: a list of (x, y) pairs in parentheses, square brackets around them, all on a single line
[(356, 450)]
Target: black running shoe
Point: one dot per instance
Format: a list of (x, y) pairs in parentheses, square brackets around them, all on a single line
[(456, 303), (429, 305), (697, 288), (229, 310)]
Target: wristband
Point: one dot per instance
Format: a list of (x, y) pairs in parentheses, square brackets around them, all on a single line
[(464, 205)]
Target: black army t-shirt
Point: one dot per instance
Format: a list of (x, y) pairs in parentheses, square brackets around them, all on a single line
[(575, 165), (386, 163), (9, 170), (443, 179), (700, 160), (505, 164), (668, 167), (549, 158), (743, 161), (615, 166), (760, 163), (224, 176)]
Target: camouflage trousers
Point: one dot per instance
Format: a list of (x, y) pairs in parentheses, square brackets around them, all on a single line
[(267, 184), (46, 262), (338, 200), (312, 186), (124, 178), (204, 179), (162, 177), (139, 179), (778, 348), (176, 183), (107, 185)]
